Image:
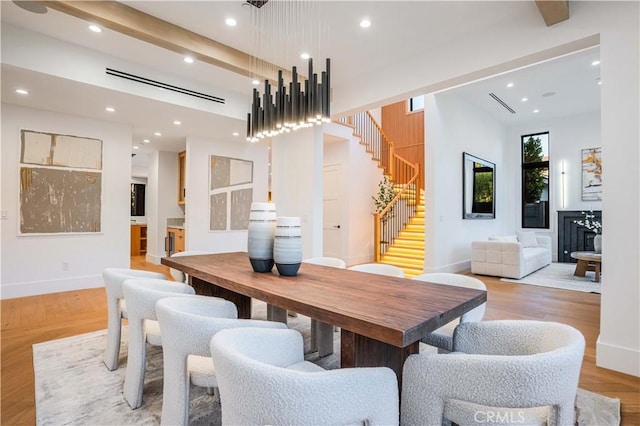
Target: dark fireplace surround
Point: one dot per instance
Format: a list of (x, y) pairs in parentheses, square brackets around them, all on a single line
[(573, 237)]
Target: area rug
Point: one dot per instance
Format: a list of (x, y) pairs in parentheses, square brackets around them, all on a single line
[(73, 387), (560, 275)]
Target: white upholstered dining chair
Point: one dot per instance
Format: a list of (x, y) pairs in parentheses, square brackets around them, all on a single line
[(379, 268), (179, 275), (141, 296), (442, 338), (264, 379), (117, 308), (187, 325), (528, 368)]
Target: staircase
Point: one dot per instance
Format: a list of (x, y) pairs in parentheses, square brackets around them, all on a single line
[(399, 228), (407, 250)]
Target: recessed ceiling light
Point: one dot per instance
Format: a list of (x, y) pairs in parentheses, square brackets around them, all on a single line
[(188, 59), (230, 22), (236, 133), (177, 122), (95, 28), (22, 92), (596, 62), (365, 23), (599, 83), (158, 134), (255, 82), (136, 147), (525, 99), (110, 109), (146, 141), (535, 111), (509, 85), (305, 55)]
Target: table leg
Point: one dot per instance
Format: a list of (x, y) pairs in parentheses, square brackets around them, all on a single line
[(242, 302), (277, 314), (581, 268), (361, 351), (598, 265)]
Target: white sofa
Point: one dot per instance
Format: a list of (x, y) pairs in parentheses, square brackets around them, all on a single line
[(510, 256)]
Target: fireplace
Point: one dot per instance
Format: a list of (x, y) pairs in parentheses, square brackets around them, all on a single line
[(572, 237)]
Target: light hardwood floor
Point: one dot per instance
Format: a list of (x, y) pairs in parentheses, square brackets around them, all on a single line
[(30, 320)]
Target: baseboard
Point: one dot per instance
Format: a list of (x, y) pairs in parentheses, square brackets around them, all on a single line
[(358, 260), (34, 288), (617, 358), (152, 258), (462, 266)]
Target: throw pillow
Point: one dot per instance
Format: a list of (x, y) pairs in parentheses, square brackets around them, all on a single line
[(495, 238), (527, 238), (510, 239)]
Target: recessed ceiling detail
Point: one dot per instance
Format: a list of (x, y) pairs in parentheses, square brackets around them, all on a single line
[(162, 85), (501, 102)]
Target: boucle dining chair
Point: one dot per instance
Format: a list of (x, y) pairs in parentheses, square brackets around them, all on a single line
[(529, 368), (321, 332), (442, 338), (264, 380), (141, 296), (117, 308), (180, 276), (379, 268), (187, 325)]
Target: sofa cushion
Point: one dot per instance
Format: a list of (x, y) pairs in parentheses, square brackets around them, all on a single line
[(527, 238)]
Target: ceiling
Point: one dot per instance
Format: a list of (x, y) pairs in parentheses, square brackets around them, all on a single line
[(396, 28)]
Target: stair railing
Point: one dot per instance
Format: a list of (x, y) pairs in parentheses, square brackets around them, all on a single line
[(404, 175)]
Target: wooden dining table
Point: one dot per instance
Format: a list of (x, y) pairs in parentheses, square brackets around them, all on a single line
[(381, 318)]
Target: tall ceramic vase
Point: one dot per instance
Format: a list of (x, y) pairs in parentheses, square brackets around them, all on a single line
[(287, 246), (262, 226), (597, 243)]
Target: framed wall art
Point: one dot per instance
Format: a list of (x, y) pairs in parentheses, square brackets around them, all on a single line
[(230, 193), (592, 174), (60, 184)]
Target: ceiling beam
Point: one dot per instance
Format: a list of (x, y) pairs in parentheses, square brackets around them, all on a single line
[(553, 11), (126, 20)]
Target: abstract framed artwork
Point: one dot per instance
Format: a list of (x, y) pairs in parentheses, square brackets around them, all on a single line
[(592, 174), (230, 193), (60, 184)]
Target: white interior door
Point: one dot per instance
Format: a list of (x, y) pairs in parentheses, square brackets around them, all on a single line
[(332, 212)]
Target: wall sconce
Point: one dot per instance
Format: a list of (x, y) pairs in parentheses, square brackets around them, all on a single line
[(562, 185)]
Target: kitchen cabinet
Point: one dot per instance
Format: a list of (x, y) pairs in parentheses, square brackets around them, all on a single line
[(177, 235), (138, 239), (182, 172)]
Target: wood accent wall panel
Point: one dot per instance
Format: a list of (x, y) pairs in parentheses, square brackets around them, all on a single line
[(406, 131)]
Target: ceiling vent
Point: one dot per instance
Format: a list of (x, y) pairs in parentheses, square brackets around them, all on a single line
[(501, 102), (165, 86)]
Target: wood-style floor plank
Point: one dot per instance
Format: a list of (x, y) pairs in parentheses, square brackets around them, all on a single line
[(35, 319)]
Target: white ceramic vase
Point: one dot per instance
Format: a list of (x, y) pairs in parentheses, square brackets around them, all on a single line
[(262, 226), (287, 246), (597, 243)]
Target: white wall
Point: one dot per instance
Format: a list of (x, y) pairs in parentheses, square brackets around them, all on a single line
[(296, 183), (452, 127), (360, 182), (162, 195), (197, 233), (33, 264), (618, 345), (567, 137)]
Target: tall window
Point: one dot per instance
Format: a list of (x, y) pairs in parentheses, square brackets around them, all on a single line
[(535, 180), (416, 103)]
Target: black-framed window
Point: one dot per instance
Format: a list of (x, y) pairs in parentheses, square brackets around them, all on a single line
[(416, 103), (535, 180), (137, 199)]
